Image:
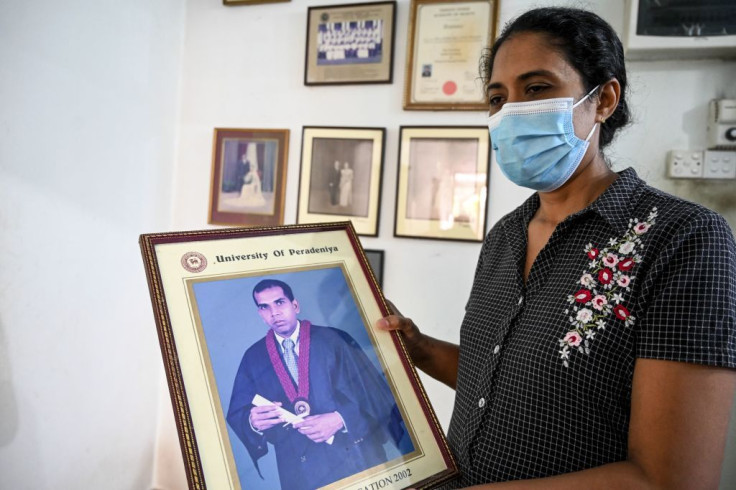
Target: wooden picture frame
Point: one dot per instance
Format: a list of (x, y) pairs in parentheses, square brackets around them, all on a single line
[(662, 30), (446, 40), (442, 183), (248, 184), (250, 2), (350, 44), (217, 302), (333, 158)]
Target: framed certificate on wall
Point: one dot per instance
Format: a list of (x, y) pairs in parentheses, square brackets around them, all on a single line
[(446, 41)]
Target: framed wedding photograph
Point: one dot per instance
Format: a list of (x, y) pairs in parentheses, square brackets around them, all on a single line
[(350, 44), (340, 176), (442, 183), (445, 42), (248, 184), (375, 260), (278, 378)]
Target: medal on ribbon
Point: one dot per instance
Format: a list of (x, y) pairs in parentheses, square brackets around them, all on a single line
[(297, 396), (301, 407)]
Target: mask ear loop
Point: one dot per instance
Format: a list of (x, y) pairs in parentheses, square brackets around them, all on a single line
[(586, 96), (587, 138)]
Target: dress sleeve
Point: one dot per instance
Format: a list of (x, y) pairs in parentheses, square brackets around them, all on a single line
[(689, 296)]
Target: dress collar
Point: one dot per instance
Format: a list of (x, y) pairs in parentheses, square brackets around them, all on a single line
[(615, 205), (294, 336)]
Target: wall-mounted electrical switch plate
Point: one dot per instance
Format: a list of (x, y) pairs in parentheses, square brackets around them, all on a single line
[(719, 164), (685, 164)]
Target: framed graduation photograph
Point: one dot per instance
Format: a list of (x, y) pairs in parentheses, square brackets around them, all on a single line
[(278, 378), (442, 183), (445, 42), (340, 176), (248, 184), (350, 44)]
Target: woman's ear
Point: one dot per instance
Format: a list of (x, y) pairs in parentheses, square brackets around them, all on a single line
[(608, 98)]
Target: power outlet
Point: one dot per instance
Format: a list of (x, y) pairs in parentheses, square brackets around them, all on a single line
[(685, 164), (719, 164)]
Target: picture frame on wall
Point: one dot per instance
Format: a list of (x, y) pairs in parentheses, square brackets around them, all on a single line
[(248, 184), (251, 2), (340, 176), (375, 260), (442, 183), (686, 29), (350, 44), (446, 40), (214, 295)]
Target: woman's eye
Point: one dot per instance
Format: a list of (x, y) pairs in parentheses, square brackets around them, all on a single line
[(495, 100), (535, 89)]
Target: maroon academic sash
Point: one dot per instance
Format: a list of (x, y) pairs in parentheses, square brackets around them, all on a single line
[(299, 396)]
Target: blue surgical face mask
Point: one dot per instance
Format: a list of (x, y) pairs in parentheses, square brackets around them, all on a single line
[(535, 142)]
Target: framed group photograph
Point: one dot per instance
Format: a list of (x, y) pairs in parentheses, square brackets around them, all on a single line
[(444, 48), (248, 184), (442, 183), (340, 176), (277, 376), (350, 43)]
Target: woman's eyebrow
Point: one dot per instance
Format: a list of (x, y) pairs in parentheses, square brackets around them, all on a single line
[(524, 76), (536, 73)]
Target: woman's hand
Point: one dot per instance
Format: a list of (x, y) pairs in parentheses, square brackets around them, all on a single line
[(412, 336), (437, 358)]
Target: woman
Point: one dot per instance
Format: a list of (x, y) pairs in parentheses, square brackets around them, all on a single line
[(346, 185), (598, 344), (250, 193)]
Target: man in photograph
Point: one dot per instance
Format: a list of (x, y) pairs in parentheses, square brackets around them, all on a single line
[(346, 409), (334, 183)]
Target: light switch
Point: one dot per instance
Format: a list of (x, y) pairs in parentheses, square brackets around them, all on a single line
[(685, 164), (719, 164)]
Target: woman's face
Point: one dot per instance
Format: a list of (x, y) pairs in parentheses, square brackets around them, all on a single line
[(527, 68)]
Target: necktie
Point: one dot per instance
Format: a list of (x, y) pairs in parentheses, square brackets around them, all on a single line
[(290, 359)]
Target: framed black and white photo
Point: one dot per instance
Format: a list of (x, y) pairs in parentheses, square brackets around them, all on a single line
[(442, 184), (375, 260), (277, 376), (350, 44), (340, 176)]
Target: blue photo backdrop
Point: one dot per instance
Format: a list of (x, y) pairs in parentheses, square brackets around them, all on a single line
[(231, 324)]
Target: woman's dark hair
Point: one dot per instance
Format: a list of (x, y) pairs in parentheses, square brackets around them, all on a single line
[(586, 41)]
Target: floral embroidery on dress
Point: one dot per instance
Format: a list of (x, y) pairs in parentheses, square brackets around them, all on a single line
[(603, 288)]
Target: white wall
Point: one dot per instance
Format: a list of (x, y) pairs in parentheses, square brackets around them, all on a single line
[(88, 111)]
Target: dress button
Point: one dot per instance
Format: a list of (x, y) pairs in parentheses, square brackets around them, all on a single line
[(497, 349), (482, 403), (521, 299)]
